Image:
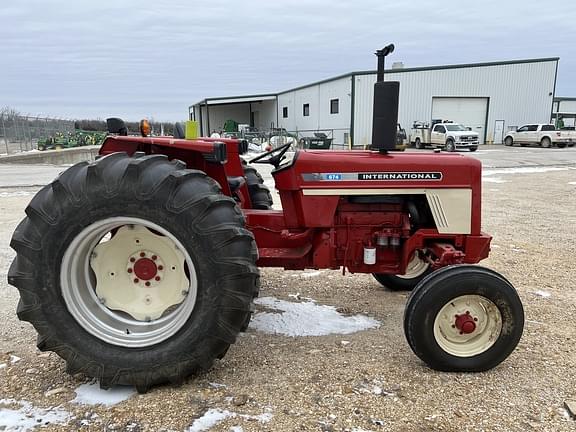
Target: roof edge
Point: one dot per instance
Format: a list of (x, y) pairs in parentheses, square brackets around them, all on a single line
[(388, 71), (204, 101), (425, 68)]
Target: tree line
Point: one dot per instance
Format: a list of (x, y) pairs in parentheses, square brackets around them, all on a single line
[(97, 125)]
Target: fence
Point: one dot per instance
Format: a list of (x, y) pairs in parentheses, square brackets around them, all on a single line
[(339, 137), (21, 133)]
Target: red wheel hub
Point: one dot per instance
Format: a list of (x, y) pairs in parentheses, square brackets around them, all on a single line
[(465, 323), (145, 269)]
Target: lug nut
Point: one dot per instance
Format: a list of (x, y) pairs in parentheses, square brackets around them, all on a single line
[(142, 254), (160, 267), (132, 259), (154, 257), (129, 270), (147, 284), (136, 280), (157, 278)]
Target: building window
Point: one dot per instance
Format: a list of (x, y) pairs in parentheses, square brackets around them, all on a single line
[(284, 112), (334, 106), (306, 110)]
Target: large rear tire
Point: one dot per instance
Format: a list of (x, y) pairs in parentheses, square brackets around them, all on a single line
[(260, 195), (418, 144), (135, 271), (463, 319), (545, 142)]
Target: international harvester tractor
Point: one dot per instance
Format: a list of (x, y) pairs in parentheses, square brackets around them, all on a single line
[(141, 268)]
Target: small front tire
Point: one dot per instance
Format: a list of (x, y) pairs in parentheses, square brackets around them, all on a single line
[(463, 318)]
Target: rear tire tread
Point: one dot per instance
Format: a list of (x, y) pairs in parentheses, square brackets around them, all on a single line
[(216, 216)]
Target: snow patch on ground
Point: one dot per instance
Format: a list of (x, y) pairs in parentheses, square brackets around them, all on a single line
[(92, 394), (28, 417), (488, 174), (525, 170), (572, 183), (493, 180), (306, 274), (540, 293), (215, 415), (15, 194), (306, 319)]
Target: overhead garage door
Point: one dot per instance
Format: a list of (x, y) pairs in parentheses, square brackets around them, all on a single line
[(469, 112)]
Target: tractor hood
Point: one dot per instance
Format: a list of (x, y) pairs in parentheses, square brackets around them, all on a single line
[(366, 169)]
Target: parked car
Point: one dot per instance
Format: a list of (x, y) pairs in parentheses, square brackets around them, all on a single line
[(544, 135), (443, 134)]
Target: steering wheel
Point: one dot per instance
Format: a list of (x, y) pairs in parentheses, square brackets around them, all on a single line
[(274, 157)]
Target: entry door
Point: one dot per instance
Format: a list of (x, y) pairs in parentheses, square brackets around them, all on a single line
[(498, 131), (468, 111)]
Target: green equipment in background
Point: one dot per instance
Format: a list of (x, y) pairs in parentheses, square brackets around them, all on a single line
[(78, 138)]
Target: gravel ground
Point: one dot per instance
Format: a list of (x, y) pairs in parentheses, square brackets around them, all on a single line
[(366, 381)]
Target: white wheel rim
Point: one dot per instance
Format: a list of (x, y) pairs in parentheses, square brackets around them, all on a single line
[(132, 289), (415, 268), (454, 321)]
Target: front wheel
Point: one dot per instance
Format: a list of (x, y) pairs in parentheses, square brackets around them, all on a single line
[(473, 149), (450, 147), (463, 318), (136, 271), (509, 142), (416, 270), (418, 143)]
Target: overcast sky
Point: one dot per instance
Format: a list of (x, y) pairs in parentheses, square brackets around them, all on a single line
[(128, 58)]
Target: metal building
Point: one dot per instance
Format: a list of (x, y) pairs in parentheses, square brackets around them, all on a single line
[(491, 98), (564, 112)]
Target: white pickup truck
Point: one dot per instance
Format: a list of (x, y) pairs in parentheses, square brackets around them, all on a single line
[(544, 135), (449, 136)]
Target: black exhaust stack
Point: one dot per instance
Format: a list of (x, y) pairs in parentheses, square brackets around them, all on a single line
[(385, 117)]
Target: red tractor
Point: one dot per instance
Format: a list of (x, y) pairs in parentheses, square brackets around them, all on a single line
[(141, 267)]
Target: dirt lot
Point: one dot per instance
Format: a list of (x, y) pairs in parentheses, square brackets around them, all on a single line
[(364, 381)]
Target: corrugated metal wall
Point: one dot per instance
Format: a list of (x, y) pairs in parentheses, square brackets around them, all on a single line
[(518, 93), (318, 97)]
